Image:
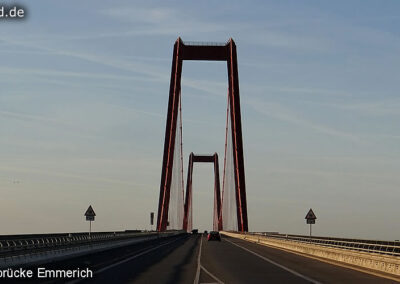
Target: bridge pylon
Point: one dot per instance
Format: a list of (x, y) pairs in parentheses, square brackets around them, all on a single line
[(211, 52)]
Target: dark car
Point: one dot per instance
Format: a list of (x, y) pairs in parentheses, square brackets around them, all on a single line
[(195, 231), (214, 236)]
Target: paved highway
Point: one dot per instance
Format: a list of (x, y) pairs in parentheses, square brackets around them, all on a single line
[(238, 261), (192, 259)]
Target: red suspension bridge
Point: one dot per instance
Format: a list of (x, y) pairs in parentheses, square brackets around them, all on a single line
[(173, 256), (187, 219), (175, 208)]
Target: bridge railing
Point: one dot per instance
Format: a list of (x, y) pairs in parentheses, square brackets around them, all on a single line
[(27, 250), (369, 246), (19, 244), (204, 43)]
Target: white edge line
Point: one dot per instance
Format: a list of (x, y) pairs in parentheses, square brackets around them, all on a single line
[(123, 261), (212, 275), (277, 264), (196, 280)]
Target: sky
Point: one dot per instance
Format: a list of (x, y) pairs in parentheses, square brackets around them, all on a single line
[(83, 103)]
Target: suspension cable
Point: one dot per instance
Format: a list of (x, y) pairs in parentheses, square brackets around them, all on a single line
[(226, 144)]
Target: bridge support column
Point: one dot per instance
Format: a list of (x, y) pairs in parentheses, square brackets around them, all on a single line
[(216, 52)]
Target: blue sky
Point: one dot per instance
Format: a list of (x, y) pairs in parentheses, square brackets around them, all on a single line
[(83, 100)]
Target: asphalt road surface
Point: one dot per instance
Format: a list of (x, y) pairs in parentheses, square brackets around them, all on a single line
[(238, 261), (193, 259)]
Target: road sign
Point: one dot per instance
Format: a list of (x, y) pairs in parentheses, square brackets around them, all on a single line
[(90, 214), (310, 216)]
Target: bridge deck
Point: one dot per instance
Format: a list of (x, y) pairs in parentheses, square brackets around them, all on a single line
[(192, 259)]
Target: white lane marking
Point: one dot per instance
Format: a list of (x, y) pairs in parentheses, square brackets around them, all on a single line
[(125, 260), (277, 264), (196, 279), (212, 275), (204, 269)]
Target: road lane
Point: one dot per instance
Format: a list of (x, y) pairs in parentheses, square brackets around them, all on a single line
[(231, 264), (319, 271), (193, 259), (173, 263)]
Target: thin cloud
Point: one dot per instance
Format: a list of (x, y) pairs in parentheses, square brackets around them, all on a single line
[(273, 110), (282, 113), (159, 21), (273, 38), (295, 91), (382, 108), (165, 21), (152, 72), (56, 73), (30, 117), (132, 66), (73, 176)]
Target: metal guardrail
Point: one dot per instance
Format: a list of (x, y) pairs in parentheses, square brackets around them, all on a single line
[(370, 246), (22, 244), (38, 249)]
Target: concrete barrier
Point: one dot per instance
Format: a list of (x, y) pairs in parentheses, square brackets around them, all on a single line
[(380, 264)]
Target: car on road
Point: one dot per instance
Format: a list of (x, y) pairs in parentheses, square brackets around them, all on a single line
[(195, 231), (214, 236)]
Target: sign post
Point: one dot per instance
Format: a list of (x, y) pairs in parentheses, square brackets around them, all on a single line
[(310, 218), (151, 220), (90, 217)]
